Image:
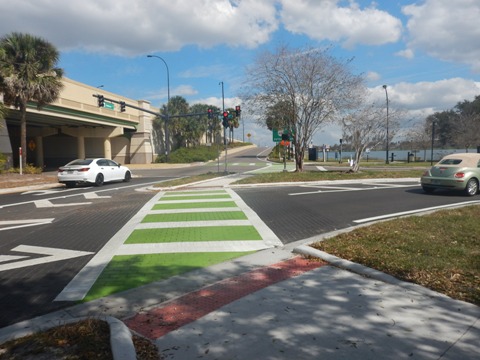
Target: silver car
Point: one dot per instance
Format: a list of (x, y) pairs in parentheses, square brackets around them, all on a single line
[(92, 171), (454, 172)]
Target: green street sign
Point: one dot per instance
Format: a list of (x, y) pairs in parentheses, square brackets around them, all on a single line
[(277, 134), (108, 105)]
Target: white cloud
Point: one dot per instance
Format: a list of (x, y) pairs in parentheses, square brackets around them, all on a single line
[(372, 76), (325, 20), (446, 29), (438, 95), (125, 27), (407, 53)]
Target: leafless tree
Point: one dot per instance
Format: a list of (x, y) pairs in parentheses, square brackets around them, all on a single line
[(310, 82), (466, 132), (364, 128)]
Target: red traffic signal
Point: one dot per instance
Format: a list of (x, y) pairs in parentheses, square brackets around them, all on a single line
[(225, 118), (237, 110), (210, 113)]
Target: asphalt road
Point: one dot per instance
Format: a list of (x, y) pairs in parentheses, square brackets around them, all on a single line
[(301, 212), (68, 225)]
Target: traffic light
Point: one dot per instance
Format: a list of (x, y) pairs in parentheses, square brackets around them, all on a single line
[(122, 106), (237, 110), (101, 101), (210, 113), (225, 119)]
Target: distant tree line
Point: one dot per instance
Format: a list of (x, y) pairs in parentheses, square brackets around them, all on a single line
[(189, 125), (457, 128)]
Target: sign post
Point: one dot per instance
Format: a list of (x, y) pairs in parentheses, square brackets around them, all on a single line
[(20, 158)]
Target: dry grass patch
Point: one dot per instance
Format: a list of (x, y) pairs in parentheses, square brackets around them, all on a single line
[(83, 340), (440, 251)]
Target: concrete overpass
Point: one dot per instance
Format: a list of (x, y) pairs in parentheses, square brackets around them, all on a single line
[(75, 127)]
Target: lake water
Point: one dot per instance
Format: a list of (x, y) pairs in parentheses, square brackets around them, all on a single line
[(399, 155)]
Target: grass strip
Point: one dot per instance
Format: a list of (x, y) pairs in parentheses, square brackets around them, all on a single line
[(207, 233), (274, 177), (440, 251), (195, 216), (195, 205), (130, 271)]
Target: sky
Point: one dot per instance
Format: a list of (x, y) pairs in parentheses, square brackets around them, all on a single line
[(427, 52)]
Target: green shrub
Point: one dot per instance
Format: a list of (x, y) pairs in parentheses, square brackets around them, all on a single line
[(189, 155)]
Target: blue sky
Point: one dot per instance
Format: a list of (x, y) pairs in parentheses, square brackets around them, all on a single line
[(427, 52)]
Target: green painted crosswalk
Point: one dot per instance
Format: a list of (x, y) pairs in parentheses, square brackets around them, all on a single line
[(181, 231)]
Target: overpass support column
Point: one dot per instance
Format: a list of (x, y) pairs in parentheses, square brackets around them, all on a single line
[(39, 153), (81, 147), (107, 148)]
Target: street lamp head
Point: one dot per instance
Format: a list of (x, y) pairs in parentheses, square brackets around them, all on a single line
[(149, 55), (384, 86)]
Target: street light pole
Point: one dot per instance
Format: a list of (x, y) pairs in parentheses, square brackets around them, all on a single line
[(433, 141), (224, 128), (168, 102), (386, 95)]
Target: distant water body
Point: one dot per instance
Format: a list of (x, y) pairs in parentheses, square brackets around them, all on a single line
[(399, 155)]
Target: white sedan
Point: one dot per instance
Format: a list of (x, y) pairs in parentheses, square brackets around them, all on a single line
[(92, 171)]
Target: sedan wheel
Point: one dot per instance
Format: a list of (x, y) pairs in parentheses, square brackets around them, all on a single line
[(99, 180), (128, 176), (472, 187)]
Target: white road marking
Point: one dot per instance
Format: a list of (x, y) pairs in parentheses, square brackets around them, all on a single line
[(53, 254), (381, 217), (93, 195), (192, 247), (48, 204), (5, 258), (16, 224)]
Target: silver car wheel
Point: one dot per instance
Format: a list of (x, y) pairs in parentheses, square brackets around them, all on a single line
[(472, 187)]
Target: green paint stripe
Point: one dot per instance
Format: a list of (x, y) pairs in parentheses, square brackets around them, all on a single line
[(130, 271), (207, 233), (195, 205), (195, 216)]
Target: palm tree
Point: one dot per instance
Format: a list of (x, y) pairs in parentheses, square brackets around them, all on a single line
[(28, 73)]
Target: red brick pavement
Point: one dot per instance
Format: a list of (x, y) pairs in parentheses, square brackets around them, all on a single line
[(161, 320)]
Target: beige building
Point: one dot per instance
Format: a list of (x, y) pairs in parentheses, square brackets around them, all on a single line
[(76, 127)]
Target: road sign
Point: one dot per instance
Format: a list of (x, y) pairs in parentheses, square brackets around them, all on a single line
[(108, 105), (277, 134)]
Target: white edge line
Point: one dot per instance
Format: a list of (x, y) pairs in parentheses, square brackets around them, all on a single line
[(414, 211), (265, 232)]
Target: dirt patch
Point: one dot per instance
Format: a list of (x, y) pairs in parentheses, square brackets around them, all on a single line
[(16, 180)]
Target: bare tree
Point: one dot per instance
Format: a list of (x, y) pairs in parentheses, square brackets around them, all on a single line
[(420, 136), (312, 84), (467, 130), (362, 129)]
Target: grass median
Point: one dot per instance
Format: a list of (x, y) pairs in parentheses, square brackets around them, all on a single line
[(440, 251)]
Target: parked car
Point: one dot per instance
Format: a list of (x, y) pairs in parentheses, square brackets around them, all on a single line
[(92, 171), (454, 172)]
